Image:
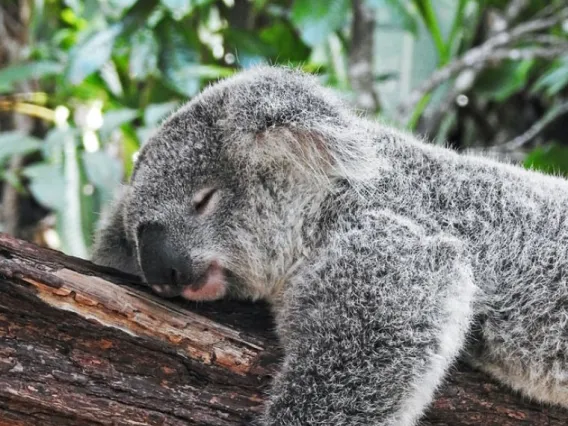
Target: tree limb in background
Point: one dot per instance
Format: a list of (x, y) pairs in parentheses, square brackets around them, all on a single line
[(514, 9), (466, 79), (361, 54), (521, 140), (470, 74), (495, 49), (13, 40)]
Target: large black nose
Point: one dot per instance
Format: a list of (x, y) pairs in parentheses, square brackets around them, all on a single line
[(164, 263)]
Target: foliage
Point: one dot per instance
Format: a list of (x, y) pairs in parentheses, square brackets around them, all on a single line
[(113, 69), (551, 159)]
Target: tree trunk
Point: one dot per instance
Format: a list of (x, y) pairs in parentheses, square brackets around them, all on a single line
[(83, 345)]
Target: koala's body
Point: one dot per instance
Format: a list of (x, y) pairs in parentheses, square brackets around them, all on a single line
[(384, 258)]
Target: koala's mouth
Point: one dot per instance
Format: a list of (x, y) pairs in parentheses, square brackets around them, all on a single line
[(212, 285)]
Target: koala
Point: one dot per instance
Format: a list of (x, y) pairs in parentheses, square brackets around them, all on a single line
[(384, 258)]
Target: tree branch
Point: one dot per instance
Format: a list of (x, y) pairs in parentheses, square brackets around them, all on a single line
[(93, 346), (495, 49), (514, 9), (361, 53), (521, 140)]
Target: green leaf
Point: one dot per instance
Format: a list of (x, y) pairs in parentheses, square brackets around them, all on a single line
[(209, 72), (282, 38), (121, 5), (259, 4), (73, 19), (53, 144), (457, 27), (92, 10), (418, 110), (144, 134), (104, 171), (554, 80), (47, 185), (92, 54), (400, 16), (91, 88), (500, 83), (31, 70), (17, 143), (316, 19), (551, 159), (248, 47), (13, 178), (130, 145), (74, 5), (177, 60), (110, 76), (154, 113), (178, 8), (156, 17), (77, 214), (431, 21), (143, 54), (337, 63), (116, 118)]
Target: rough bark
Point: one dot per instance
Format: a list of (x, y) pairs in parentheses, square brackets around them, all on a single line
[(84, 345)]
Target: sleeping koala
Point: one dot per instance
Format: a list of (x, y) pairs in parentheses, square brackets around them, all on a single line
[(380, 255)]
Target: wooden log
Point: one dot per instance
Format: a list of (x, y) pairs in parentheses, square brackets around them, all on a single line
[(85, 345)]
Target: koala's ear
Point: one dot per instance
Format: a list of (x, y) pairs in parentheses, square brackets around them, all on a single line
[(305, 150), (112, 247), (316, 153)]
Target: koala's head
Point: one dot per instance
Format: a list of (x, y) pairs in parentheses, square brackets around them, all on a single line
[(219, 193)]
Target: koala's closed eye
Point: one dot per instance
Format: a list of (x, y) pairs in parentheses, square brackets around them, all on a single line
[(205, 200)]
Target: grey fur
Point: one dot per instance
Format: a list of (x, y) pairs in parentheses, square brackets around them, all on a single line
[(384, 258)]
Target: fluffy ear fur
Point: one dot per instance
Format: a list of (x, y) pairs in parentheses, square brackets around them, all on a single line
[(280, 116), (316, 154), (305, 151)]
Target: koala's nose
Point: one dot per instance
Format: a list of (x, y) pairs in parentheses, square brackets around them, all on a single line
[(164, 264)]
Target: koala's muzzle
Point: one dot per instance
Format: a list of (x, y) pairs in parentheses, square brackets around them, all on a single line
[(166, 268)]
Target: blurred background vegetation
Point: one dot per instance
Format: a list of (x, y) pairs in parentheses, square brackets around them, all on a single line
[(83, 83)]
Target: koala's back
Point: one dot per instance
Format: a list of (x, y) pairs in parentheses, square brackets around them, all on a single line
[(513, 221), (514, 224)]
